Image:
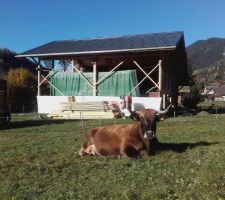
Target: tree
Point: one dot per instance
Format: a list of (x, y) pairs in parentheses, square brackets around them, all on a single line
[(21, 88), (191, 100)]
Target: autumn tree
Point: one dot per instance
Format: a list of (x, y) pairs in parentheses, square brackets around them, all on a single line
[(21, 88)]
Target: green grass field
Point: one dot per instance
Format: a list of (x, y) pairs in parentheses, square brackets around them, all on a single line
[(38, 160)]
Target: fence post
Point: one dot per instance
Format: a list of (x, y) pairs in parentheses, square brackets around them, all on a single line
[(216, 111)]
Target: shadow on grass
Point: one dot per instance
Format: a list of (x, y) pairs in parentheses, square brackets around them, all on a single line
[(31, 123), (181, 147)]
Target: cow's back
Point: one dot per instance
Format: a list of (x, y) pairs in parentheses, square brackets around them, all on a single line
[(107, 140)]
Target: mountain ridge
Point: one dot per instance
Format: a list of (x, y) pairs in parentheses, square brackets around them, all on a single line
[(208, 59)]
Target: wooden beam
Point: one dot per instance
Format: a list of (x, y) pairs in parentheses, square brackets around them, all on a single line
[(54, 87), (36, 62), (143, 80), (39, 77), (146, 74), (45, 78), (77, 70), (109, 73), (150, 89), (94, 78)]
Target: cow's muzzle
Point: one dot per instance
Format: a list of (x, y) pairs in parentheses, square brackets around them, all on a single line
[(149, 135)]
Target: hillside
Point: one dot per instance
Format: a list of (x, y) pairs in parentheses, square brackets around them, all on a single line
[(208, 59), (8, 60)]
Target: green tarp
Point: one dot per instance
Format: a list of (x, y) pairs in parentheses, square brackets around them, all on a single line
[(73, 84)]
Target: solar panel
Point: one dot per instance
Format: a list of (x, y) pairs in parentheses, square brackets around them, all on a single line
[(97, 45)]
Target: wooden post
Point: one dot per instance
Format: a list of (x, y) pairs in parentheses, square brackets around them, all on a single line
[(160, 76), (39, 77), (72, 62), (94, 78), (161, 85), (164, 101), (75, 64), (53, 64)]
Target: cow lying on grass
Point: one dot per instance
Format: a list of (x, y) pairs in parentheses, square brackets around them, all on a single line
[(130, 140)]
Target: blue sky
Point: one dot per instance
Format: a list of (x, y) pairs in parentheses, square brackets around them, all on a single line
[(25, 24)]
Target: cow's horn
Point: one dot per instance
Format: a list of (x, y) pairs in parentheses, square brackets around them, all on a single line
[(164, 111)]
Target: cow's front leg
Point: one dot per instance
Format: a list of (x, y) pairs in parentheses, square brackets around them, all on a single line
[(144, 153), (123, 153), (153, 146), (128, 150)]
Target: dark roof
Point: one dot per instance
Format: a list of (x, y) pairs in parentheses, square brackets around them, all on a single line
[(134, 43), (220, 90), (184, 89)]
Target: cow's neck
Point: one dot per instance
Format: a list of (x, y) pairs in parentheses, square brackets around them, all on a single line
[(140, 130), (141, 134)]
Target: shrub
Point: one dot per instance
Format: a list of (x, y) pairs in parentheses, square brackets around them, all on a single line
[(21, 88)]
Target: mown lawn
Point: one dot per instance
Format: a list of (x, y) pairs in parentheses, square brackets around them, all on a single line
[(38, 160)]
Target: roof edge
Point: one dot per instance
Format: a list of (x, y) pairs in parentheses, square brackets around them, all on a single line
[(97, 52)]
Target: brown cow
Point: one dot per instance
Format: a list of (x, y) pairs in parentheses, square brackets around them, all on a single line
[(130, 140)]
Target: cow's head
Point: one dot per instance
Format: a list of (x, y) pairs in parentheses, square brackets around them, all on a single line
[(148, 118)]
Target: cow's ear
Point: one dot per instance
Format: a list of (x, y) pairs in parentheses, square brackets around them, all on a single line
[(135, 116)]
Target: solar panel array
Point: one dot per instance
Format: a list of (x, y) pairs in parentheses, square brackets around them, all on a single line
[(122, 43)]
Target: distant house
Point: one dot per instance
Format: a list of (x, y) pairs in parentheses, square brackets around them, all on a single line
[(220, 92), (214, 92), (182, 90), (208, 90)]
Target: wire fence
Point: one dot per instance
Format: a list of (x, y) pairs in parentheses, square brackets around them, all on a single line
[(24, 116), (213, 109), (14, 117), (24, 108), (33, 117)]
